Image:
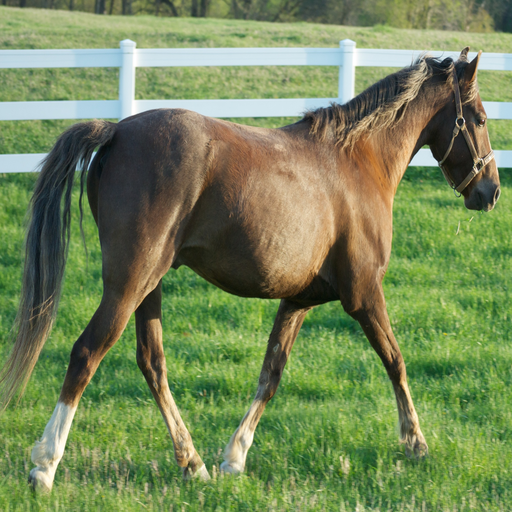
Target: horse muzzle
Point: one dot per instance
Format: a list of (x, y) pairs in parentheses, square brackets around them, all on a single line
[(484, 196)]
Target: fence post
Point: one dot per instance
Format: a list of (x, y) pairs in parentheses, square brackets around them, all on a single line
[(347, 71), (127, 78)]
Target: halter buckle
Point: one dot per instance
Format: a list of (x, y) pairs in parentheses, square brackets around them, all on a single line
[(479, 165)]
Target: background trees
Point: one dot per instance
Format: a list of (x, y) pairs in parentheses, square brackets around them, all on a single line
[(465, 15)]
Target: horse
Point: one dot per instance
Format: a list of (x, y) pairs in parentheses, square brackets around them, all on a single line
[(302, 213)]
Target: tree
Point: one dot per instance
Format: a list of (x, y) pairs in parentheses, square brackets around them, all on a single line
[(99, 7), (199, 8), (169, 4), (126, 7)]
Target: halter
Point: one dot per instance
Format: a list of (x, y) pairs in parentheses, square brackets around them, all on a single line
[(460, 126)]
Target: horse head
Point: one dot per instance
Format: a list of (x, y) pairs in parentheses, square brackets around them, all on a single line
[(461, 144)]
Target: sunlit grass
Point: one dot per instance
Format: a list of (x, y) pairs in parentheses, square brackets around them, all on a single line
[(449, 301)]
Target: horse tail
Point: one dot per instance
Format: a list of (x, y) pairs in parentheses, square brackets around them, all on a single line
[(46, 248)]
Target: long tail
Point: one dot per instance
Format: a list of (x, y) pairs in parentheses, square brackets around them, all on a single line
[(46, 249)]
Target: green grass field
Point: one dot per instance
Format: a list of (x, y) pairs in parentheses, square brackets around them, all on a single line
[(328, 440)]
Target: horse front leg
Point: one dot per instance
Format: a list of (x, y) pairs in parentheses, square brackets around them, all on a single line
[(151, 361), (286, 328), (373, 317)]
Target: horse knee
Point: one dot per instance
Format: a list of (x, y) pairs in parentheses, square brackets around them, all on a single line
[(396, 370)]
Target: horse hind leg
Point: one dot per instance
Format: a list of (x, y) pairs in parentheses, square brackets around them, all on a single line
[(151, 361), (286, 328), (104, 329)]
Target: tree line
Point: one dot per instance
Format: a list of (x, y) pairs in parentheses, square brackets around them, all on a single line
[(464, 15)]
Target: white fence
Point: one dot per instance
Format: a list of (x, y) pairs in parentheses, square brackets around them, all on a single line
[(347, 57)]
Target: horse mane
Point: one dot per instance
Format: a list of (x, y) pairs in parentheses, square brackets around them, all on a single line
[(384, 103)]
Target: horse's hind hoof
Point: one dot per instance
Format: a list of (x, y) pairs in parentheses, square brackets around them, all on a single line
[(40, 481), (231, 468), (200, 474)]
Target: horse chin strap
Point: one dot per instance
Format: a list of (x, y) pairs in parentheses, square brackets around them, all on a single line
[(460, 126)]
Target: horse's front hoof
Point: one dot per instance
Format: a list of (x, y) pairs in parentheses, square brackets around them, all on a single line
[(231, 468), (40, 481), (416, 446), (200, 474)]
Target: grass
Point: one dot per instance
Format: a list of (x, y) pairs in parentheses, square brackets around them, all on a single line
[(328, 440)]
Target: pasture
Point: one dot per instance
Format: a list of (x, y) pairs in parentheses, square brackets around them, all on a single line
[(328, 440)]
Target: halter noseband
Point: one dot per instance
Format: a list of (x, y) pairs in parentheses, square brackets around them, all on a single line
[(460, 126)]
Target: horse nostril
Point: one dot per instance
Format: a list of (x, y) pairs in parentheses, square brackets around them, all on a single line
[(497, 194)]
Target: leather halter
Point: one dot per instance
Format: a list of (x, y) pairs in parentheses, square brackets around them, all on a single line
[(460, 126)]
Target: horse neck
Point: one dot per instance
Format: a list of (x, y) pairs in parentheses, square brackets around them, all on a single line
[(394, 147)]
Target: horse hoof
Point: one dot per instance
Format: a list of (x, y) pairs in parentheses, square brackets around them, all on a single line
[(201, 474), (40, 481), (416, 447), (231, 468)]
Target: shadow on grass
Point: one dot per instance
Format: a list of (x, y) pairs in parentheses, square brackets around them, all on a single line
[(430, 368)]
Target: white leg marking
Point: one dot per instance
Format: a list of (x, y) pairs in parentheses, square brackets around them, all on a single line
[(240, 442), (202, 474), (47, 453)]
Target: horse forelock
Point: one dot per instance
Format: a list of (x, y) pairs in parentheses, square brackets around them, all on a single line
[(384, 103)]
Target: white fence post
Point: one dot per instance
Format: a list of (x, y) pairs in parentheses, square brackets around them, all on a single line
[(127, 78), (347, 71)]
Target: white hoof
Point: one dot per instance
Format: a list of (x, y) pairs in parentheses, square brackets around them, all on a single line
[(41, 480), (232, 468), (202, 474)]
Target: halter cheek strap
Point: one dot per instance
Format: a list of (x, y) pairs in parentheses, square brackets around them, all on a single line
[(460, 126)]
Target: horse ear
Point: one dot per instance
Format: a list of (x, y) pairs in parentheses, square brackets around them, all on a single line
[(470, 72), (464, 54)]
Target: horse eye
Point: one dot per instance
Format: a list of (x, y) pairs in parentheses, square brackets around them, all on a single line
[(481, 122)]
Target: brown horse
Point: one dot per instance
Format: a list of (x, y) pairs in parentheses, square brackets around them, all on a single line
[(302, 213)]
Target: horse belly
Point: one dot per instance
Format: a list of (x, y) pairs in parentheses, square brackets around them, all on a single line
[(265, 263)]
